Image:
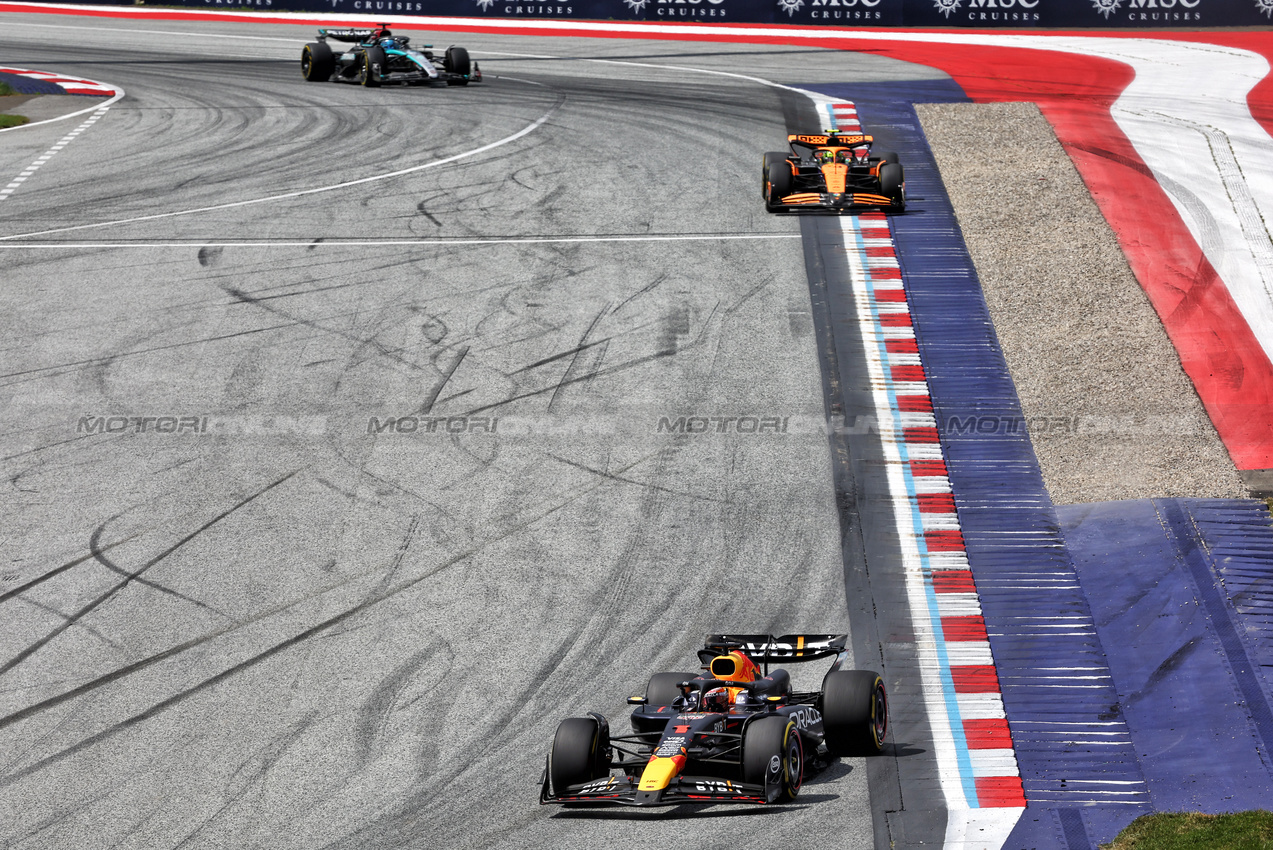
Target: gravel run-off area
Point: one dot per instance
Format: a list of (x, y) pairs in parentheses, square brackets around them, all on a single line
[(1110, 411)]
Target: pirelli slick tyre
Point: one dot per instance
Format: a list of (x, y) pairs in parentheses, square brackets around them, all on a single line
[(457, 61), (775, 179), (373, 65), (318, 63), (887, 156), (773, 756), (579, 753), (662, 688), (891, 181), (854, 712)]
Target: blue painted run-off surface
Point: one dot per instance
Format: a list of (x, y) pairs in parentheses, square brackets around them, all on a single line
[(27, 85), (1078, 765), (1134, 645), (1182, 593)]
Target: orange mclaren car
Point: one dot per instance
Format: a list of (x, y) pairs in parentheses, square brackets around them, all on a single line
[(832, 172)]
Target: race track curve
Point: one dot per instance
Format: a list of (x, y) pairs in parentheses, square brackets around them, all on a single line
[(332, 435)]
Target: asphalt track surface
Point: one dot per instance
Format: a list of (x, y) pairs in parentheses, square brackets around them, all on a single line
[(292, 627)]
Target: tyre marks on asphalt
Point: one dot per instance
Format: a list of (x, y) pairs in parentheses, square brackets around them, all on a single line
[(129, 577), (347, 184)]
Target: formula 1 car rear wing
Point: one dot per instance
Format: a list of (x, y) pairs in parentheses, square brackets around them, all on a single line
[(766, 648), (352, 36), (829, 139)]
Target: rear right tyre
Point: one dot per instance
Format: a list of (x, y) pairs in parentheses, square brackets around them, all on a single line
[(854, 712)]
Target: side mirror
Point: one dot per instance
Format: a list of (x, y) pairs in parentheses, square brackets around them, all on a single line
[(636, 700), (773, 699)]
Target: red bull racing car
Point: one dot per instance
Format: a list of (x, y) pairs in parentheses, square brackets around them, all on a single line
[(832, 172), (734, 733)]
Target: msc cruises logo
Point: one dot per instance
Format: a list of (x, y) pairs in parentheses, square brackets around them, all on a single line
[(790, 6), (1107, 7), (1265, 6), (636, 5), (947, 6), (485, 5)]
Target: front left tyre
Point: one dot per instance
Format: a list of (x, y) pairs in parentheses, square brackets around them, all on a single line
[(456, 61), (580, 753), (373, 65), (892, 183), (773, 756), (318, 63)]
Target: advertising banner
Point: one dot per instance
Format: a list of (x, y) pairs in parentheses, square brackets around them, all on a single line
[(979, 14)]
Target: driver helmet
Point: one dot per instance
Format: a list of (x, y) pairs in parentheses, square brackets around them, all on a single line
[(734, 667), (716, 700), (823, 156)]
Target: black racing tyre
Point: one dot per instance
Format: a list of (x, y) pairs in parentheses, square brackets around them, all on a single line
[(891, 183), (457, 61), (773, 752), (854, 712), (374, 63), (662, 688), (886, 156), (775, 179), (318, 63), (578, 753)]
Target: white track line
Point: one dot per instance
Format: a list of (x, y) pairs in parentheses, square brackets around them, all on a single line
[(425, 243), (43, 159), (530, 128)]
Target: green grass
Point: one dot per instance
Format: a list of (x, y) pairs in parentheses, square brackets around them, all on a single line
[(1193, 831), (9, 120)]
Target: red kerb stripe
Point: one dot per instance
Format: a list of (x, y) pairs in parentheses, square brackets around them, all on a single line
[(925, 468), (936, 503), (915, 403), (920, 435), (895, 320), (944, 541), (988, 734), (953, 581), (966, 627), (901, 346), (975, 679), (907, 372), (999, 791)]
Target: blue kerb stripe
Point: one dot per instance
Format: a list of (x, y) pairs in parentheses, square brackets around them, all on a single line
[(947, 681), (964, 761)]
